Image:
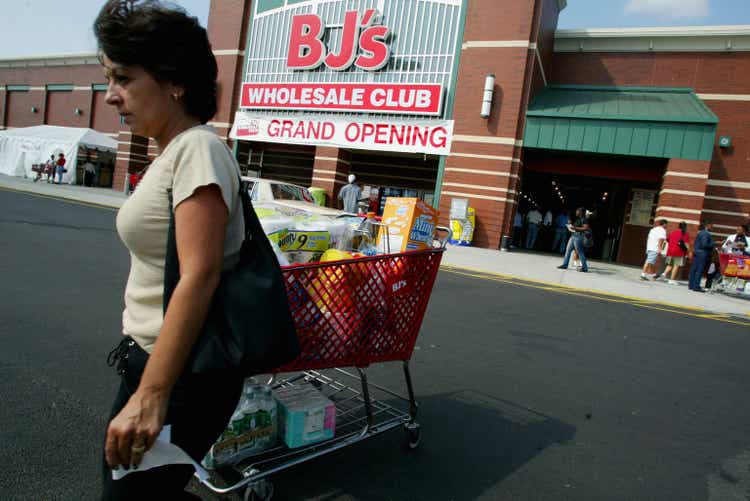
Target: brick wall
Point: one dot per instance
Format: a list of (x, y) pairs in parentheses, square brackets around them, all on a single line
[(727, 189), (484, 164)]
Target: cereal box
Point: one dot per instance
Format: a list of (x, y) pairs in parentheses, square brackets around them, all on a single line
[(411, 223)]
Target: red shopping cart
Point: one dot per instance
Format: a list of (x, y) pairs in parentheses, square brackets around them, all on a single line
[(735, 272), (348, 314)]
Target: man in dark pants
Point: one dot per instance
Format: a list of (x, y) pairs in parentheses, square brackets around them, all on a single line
[(579, 227), (702, 250)]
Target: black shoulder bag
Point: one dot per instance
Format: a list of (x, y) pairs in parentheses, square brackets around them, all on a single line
[(681, 243), (249, 328)]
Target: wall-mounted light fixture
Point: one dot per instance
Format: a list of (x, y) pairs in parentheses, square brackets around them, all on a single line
[(489, 90), (78, 111), (34, 109)]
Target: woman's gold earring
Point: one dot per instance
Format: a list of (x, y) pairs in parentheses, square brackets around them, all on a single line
[(176, 96)]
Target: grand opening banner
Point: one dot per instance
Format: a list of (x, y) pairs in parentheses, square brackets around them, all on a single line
[(423, 136)]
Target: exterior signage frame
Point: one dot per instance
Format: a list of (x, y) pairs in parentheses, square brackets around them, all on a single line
[(401, 98), (375, 133)]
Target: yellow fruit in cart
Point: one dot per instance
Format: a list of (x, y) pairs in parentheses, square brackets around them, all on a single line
[(335, 255)]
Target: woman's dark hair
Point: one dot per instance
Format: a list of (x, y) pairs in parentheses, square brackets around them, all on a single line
[(170, 45), (683, 226)]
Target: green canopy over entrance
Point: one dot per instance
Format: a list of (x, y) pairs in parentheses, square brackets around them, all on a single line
[(637, 121)]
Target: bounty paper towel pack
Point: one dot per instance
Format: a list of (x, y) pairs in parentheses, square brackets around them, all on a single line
[(411, 223)]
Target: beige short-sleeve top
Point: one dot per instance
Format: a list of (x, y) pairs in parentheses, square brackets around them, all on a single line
[(196, 157)]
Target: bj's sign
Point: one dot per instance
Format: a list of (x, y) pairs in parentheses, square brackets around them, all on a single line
[(361, 43), (364, 45), (423, 136)]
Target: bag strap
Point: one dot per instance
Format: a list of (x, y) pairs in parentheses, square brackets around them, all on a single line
[(171, 259)]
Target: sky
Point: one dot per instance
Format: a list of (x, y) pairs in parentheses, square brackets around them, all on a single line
[(48, 27), (649, 13)]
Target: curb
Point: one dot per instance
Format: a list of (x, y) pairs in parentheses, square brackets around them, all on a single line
[(650, 302), (61, 197)]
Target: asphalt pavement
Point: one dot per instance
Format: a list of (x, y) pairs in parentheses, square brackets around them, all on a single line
[(526, 391)]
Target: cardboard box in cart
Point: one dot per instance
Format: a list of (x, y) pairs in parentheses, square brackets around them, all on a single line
[(306, 416), (411, 223)]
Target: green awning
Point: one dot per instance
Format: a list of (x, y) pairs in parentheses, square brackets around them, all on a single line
[(637, 121)]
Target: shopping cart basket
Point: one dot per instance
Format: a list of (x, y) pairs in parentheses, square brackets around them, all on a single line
[(735, 272), (348, 314)]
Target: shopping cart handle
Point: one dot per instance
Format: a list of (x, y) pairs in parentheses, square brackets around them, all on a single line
[(442, 240)]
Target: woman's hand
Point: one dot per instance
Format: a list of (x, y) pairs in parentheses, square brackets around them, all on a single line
[(134, 430)]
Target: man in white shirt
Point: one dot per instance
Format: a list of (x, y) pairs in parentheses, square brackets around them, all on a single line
[(533, 219), (350, 195), (657, 238), (548, 218), (739, 243)]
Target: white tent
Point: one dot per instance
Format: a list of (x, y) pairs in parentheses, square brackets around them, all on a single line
[(23, 147)]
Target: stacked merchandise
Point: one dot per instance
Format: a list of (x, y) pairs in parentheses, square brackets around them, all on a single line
[(299, 415), (301, 237)]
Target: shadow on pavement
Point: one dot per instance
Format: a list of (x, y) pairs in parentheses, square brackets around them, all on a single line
[(470, 442)]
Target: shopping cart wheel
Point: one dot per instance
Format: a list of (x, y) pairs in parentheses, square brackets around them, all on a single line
[(413, 435), (262, 490)]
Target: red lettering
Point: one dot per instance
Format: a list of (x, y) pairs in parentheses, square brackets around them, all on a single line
[(306, 50), (355, 127), (376, 52), (367, 130), (313, 130), (273, 128), (299, 131), (286, 128), (328, 131), (397, 134), (347, 53), (420, 135), (438, 137), (381, 134)]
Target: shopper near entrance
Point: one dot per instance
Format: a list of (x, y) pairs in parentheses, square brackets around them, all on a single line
[(89, 172), (50, 169), (533, 220), (739, 243), (517, 228), (678, 247), (350, 195), (161, 76), (655, 242), (547, 230), (703, 250), (579, 227), (561, 232), (60, 168)]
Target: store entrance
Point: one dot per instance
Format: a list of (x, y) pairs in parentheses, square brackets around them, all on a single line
[(605, 185), (382, 175)]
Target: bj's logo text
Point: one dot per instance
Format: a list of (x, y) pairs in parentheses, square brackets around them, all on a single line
[(362, 43)]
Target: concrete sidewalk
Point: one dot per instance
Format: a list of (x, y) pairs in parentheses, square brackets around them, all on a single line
[(603, 277), (96, 196)]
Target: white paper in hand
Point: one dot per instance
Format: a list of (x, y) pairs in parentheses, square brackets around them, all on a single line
[(163, 452)]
